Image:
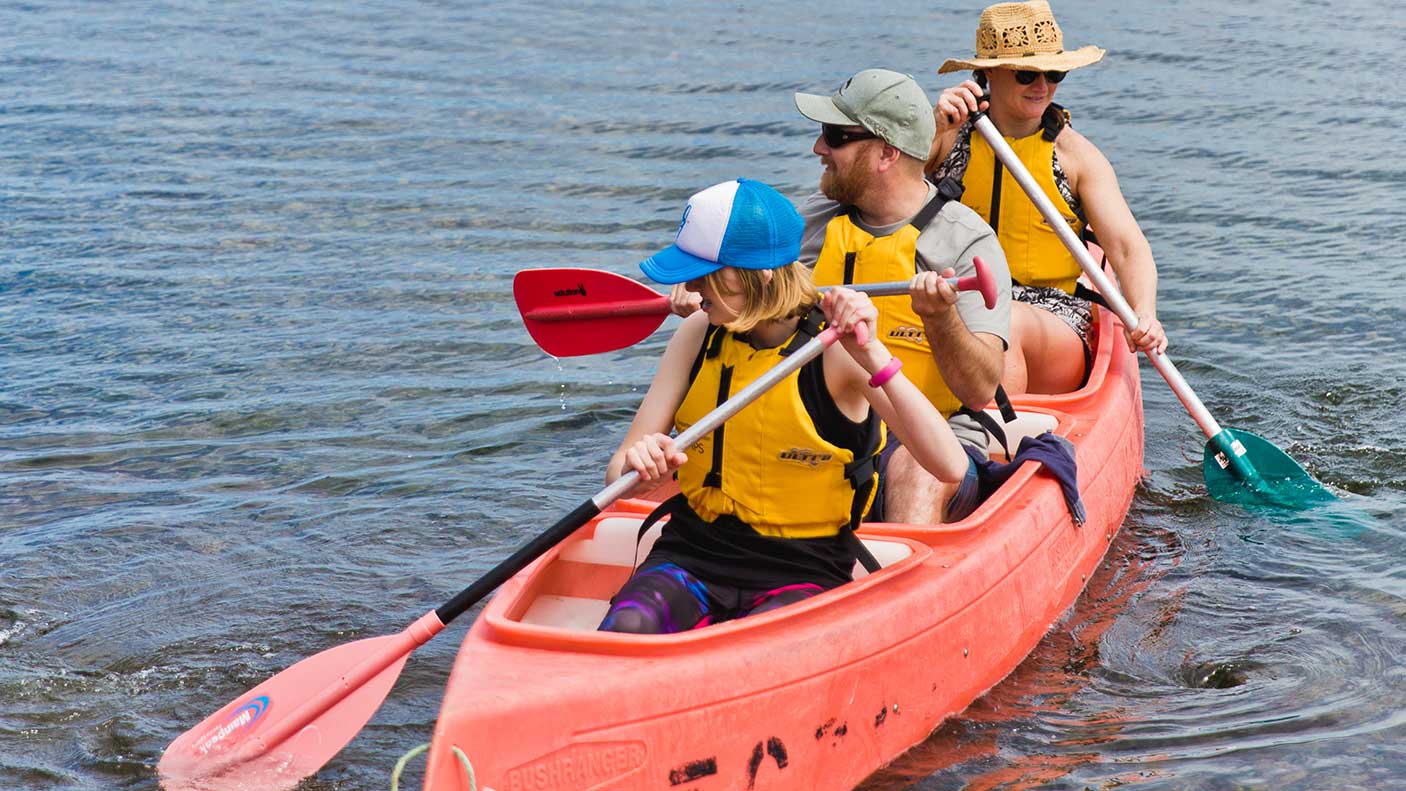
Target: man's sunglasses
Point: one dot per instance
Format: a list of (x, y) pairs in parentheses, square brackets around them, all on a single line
[(836, 136), (1052, 77)]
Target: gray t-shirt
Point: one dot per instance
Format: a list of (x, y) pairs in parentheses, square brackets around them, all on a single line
[(951, 239)]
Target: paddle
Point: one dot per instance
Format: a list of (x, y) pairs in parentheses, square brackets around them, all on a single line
[(1239, 467), (286, 728), (571, 312)]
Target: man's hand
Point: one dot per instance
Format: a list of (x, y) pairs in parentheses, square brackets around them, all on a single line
[(932, 295)]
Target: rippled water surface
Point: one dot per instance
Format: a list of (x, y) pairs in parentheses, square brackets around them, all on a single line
[(263, 389)]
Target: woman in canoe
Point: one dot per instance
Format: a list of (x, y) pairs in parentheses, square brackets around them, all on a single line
[(1020, 56), (768, 501)]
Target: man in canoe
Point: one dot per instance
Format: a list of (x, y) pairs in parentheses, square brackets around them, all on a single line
[(1020, 55), (769, 501), (876, 219)]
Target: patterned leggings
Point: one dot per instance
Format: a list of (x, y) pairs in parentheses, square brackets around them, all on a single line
[(663, 598)]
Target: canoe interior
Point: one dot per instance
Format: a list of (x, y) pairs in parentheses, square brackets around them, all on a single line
[(575, 592)]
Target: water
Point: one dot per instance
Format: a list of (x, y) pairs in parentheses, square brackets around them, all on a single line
[(265, 390)]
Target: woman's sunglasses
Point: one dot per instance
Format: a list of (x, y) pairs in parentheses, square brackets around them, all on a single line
[(836, 136), (1052, 77)]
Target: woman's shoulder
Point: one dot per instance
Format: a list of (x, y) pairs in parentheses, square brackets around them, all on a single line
[(1077, 153), (1072, 142)]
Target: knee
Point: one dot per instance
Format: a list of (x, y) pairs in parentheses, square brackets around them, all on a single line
[(631, 620), (912, 495), (781, 600)]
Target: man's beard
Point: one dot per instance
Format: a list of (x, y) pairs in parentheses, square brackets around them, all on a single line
[(847, 188)]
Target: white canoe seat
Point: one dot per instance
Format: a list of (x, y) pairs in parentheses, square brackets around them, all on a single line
[(1026, 424), (614, 543), (567, 612), (886, 552)]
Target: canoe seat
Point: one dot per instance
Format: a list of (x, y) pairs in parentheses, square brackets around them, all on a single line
[(1026, 424), (613, 544)]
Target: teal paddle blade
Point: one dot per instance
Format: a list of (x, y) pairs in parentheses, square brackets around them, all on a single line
[(1247, 469)]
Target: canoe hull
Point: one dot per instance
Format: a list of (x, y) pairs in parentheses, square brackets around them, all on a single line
[(816, 695)]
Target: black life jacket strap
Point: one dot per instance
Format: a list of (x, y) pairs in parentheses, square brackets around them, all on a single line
[(1008, 415), (1053, 121), (948, 189), (989, 423), (862, 470), (711, 346), (660, 511), (809, 327), (714, 478), (866, 558), (996, 177), (1003, 403), (1085, 293)]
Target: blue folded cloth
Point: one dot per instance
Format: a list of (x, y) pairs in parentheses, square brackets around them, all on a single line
[(1053, 451)]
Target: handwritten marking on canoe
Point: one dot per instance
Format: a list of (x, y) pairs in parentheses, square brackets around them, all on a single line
[(692, 771), (753, 764), (824, 729), (776, 749), (881, 716)]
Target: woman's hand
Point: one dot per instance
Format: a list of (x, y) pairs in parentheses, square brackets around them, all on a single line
[(853, 315), (683, 302), (654, 457), (956, 104), (1148, 337)]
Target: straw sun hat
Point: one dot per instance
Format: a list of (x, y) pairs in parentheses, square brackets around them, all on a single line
[(1024, 36)]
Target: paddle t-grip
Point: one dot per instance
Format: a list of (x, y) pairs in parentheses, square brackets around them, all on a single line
[(981, 281)]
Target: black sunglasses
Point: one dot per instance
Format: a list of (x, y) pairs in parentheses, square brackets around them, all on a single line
[(1052, 77), (836, 136)]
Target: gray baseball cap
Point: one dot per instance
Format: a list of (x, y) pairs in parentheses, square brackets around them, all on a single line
[(889, 104)]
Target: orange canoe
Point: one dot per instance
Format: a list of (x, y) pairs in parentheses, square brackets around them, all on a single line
[(816, 695)]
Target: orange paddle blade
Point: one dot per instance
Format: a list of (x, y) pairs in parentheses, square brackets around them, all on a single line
[(571, 312), (286, 728)]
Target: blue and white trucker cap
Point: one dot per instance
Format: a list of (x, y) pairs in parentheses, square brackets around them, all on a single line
[(743, 223)]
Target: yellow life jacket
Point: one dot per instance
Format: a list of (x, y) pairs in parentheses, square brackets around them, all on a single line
[(769, 465), (1034, 252), (851, 254)]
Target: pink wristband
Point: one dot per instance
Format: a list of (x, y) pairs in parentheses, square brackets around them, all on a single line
[(883, 375)]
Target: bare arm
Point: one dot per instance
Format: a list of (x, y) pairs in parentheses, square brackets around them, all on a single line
[(971, 363), (647, 447), (953, 108), (1093, 180), (899, 403)]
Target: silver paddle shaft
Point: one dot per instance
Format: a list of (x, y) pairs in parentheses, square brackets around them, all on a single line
[(1091, 268), (730, 407)]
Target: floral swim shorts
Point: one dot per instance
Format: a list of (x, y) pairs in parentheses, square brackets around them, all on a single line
[(1072, 310)]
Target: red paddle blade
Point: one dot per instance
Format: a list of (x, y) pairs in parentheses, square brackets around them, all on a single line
[(571, 312), (289, 726)]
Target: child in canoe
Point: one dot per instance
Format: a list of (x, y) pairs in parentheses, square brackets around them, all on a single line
[(768, 501)]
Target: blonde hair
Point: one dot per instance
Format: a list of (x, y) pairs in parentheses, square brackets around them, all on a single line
[(790, 292)]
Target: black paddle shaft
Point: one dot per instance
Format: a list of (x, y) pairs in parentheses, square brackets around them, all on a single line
[(504, 571)]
